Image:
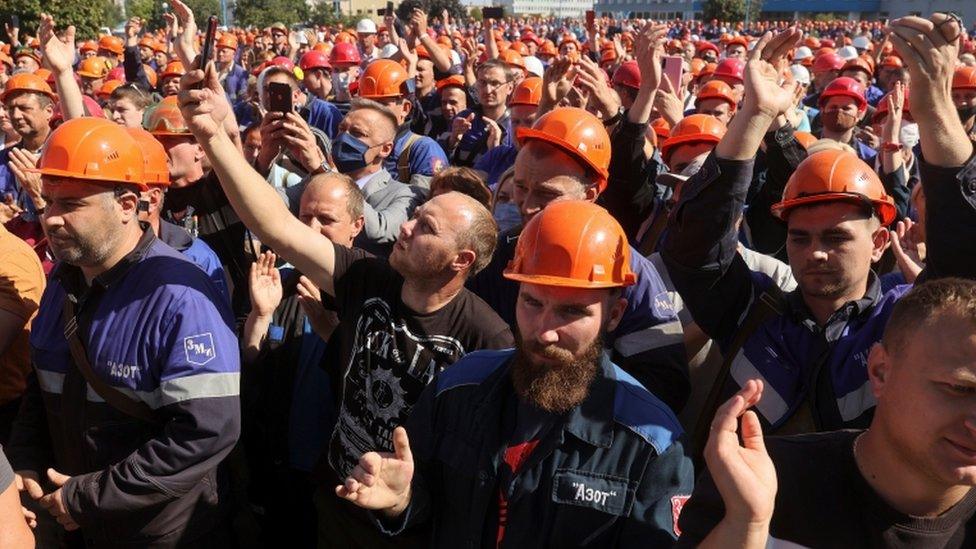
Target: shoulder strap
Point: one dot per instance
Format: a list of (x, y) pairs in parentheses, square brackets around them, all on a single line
[(122, 403), (403, 162), (771, 302)]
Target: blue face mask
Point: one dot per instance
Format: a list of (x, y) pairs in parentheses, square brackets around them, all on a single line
[(349, 153), (507, 215)]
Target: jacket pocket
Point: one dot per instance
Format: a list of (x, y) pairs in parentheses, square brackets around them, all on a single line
[(589, 507)]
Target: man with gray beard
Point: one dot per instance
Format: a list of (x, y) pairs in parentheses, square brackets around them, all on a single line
[(549, 444)]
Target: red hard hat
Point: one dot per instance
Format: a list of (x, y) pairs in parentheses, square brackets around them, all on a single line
[(314, 60), (733, 68), (627, 74), (844, 86), (345, 54), (572, 244), (835, 176), (828, 62), (695, 128), (882, 109), (282, 61), (964, 78)]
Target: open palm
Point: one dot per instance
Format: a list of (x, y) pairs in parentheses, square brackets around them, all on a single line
[(768, 88), (381, 481)]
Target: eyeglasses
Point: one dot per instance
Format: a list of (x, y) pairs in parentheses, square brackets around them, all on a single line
[(490, 85)]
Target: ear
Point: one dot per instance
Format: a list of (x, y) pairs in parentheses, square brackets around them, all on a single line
[(591, 192), (879, 368), (129, 206), (880, 240), (616, 313), (463, 260), (386, 149), (406, 107), (358, 225), (198, 153)]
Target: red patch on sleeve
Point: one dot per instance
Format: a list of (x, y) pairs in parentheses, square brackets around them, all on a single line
[(677, 504)]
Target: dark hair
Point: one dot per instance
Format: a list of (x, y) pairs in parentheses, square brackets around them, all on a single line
[(923, 303), (462, 180), (498, 64)]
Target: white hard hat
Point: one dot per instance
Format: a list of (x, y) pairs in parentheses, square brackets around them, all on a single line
[(862, 42), (800, 74), (847, 53), (802, 53), (533, 65), (388, 51), (366, 26)]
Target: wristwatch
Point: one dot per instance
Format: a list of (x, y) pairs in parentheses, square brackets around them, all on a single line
[(615, 118)]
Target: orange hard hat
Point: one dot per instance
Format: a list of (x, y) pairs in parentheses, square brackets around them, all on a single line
[(716, 89), (519, 48), (147, 41), (740, 40), (107, 88), (572, 244), (858, 63), (151, 76), (155, 161), (697, 64), (835, 176), (26, 82), (94, 67), (111, 44), (892, 62), (964, 78), (166, 119), (695, 128), (578, 133), (661, 129), (547, 48), (528, 92), (805, 138), (453, 81), (383, 79), (708, 70), (228, 41), (173, 68), (512, 58), (87, 46), (93, 149)]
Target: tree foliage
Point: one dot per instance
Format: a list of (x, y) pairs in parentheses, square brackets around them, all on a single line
[(262, 13), (152, 10), (731, 10), (86, 15), (434, 8)]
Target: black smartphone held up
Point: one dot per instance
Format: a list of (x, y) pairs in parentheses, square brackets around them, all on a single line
[(279, 97), (15, 21), (389, 9), (208, 42), (493, 12)]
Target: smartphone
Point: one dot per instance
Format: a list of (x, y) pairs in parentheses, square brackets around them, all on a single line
[(14, 21), (493, 12), (381, 12), (590, 19), (673, 66), (279, 97), (208, 42), (389, 9)]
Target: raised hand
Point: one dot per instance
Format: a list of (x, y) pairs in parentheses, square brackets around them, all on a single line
[(744, 474), (204, 109), (381, 481), (908, 246), (557, 81), (58, 53), (766, 91), (22, 164), (323, 321), (186, 46), (891, 131), (592, 79), (648, 52), (132, 29), (265, 285)]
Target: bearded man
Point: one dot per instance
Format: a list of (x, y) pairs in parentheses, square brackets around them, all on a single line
[(549, 444)]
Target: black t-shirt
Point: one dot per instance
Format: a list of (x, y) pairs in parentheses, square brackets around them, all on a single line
[(390, 353), (824, 501)]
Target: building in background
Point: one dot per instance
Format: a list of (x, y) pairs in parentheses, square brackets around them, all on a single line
[(558, 8)]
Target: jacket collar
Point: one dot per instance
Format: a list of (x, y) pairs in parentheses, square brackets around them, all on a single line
[(849, 310), (73, 280), (377, 181)]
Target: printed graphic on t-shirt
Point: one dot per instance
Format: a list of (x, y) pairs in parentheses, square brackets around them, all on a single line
[(388, 369)]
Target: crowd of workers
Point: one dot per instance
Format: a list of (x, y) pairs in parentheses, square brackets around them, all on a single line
[(516, 283)]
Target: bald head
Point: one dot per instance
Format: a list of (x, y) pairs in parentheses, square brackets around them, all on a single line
[(333, 205), (477, 230)]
